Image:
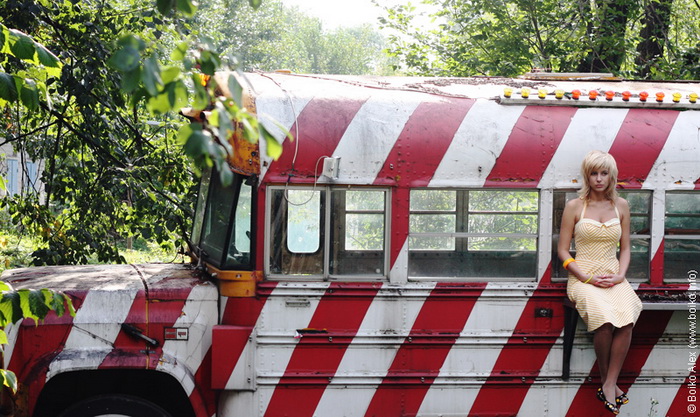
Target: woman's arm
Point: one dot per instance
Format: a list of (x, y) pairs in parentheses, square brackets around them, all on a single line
[(566, 234)]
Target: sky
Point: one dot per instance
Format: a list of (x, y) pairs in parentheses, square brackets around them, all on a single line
[(335, 13)]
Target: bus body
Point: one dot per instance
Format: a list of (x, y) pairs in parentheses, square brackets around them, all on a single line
[(398, 259)]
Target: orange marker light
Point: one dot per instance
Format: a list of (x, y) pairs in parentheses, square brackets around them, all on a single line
[(592, 95), (693, 97), (541, 93), (626, 96), (660, 97), (609, 95), (507, 92), (676, 97), (576, 94), (525, 92), (643, 96)]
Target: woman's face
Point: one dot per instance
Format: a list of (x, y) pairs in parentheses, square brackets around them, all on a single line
[(599, 179)]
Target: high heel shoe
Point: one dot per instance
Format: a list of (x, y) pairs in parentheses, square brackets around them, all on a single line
[(608, 405)]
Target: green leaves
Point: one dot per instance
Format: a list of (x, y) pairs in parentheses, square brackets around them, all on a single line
[(186, 7), (34, 304), (20, 45)]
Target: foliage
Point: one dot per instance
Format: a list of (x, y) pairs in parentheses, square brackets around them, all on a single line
[(276, 37), (22, 304), (101, 112), (648, 39)]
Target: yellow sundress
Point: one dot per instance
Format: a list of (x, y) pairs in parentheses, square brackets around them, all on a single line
[(596, 254)]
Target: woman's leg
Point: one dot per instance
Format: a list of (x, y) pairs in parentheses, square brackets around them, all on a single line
[(618, 352), (602, 343)]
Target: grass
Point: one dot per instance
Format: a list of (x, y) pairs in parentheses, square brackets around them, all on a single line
[(15, 252)]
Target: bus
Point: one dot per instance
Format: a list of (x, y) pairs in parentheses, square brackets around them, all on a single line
[(398, 259)]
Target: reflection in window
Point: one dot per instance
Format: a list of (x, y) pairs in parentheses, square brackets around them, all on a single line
[(303, 221), (682, 234), (640, 233), (473, 233)]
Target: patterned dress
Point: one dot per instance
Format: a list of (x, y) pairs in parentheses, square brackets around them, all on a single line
[(596, 250)]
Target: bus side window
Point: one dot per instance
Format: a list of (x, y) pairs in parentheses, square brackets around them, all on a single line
[(296, 243), (640, 232), (681, 235), (312, 239), (473, 234)]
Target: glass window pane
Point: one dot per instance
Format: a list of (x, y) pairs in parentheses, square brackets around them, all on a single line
[(201, 204), (364, 200), (358, 219), (296, 232), (303, 221), (432, 223), (503, 223), (364, 232), (431, 243), (683, 203), (503, 201), (216, 220), (239, 246), (433, 200), (682, 234)]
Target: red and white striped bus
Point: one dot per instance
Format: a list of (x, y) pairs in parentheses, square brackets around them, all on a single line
[(398, 259)]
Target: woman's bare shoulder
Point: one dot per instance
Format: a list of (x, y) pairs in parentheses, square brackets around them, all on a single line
[(574, 204)]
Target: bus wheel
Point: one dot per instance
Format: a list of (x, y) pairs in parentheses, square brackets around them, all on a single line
[(114, 406)]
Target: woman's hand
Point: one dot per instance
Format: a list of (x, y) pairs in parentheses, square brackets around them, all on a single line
[(607, 281)]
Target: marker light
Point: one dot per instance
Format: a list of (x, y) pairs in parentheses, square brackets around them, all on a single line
[(609, 95), (507, 92), (693, 97), (643, 96), (626, 96), (525, 92), (660, 97), (592, 95), (676, 97), (559, 94), (576, 94), (541, 93)]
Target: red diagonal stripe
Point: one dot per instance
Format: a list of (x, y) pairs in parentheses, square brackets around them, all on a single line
[(420, 357), (125, 343), (321, 125), (639, 142), (242, 313), (530, 146), (400, 210), (423, 142), (647, 331), (316, 357), (521, 359)]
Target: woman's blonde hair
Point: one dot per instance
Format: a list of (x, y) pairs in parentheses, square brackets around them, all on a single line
[(596, 161)]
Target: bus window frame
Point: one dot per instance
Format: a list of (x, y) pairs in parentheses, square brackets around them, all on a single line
[(201, 217), (326, 232), (462, 203), (677, 236), (557, 271)]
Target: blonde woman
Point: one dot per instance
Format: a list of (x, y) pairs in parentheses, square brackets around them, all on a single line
[(598, 221)]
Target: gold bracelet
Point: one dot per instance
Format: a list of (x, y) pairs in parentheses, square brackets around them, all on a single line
[(567, 262), (589, 278)]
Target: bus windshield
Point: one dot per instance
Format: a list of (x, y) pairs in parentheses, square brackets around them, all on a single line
[(222, 222)]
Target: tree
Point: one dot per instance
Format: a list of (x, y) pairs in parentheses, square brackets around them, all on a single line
[(648, 39), (104, 120), (277, 37)]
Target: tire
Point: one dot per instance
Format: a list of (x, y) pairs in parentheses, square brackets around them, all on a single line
[(114, 406)]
